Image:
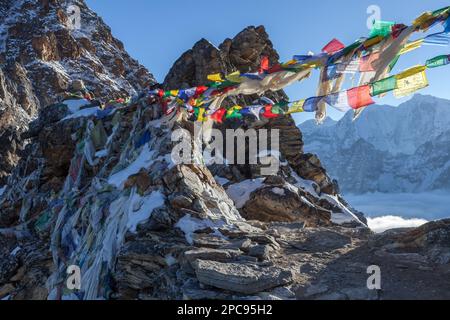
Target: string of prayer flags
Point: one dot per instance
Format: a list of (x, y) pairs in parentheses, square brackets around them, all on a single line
[(373, 58), (410, 81), (438, 61), (333, 46)]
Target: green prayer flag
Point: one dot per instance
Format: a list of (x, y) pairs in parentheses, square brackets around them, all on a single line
[(277, 110), (437, 61), (381, 28), (383, 86), (440, 11), (235, 115)]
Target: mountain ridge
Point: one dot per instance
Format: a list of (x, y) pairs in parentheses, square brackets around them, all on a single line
[(389, 149)]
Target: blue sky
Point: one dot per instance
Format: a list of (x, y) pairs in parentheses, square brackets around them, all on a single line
[(157, 32)]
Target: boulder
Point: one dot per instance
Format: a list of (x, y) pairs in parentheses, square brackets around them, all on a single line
[(241, 277)]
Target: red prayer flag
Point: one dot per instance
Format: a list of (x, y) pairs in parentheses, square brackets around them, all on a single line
[(218, 115), (397, 30), (359, 97), (200, 90), (275, 68), (268, 112), (333, 46), (264, 64)]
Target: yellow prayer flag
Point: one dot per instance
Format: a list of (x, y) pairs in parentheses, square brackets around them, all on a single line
[(289, 63), (215, 77), (234, 77), (174, 93), (296, 107), (372, 41), (233, 109), (410, 81), (410, 72), (201, 115), (412, 46), (423, 20)]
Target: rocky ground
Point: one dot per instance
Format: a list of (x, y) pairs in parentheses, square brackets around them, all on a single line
[(98, 189)]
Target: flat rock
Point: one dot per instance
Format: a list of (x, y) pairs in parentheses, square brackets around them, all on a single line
[(242, 278), (222, 255)]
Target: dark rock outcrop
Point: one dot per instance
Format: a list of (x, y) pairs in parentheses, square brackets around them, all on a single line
[(243, 53)]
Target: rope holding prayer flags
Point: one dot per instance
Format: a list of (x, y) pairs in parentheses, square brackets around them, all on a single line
[(372, 58)]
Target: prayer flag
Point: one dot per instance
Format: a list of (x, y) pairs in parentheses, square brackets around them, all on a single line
[(333, 46), (201, 115), (438, 61), (410, 81), (296, 107), (339, 101), (423, 22), (383, 86), (268, 112), (200, 90), (381, 28), (372, 41), (234, 77), (256, 111), (264, 64), (218, 115), (311, 104), (412, 46), (217, 77), (234, 113), (359, 97)]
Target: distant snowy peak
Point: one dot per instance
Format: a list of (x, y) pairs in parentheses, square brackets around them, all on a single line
[(388, 149), (397, 130)]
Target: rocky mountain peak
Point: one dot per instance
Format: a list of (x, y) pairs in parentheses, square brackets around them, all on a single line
[(44, 46)]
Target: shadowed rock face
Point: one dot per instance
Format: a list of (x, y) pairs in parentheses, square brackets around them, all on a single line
[(41, 54)]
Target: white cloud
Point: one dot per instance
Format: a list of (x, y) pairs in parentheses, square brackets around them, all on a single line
[(382, 224), (428, 205)]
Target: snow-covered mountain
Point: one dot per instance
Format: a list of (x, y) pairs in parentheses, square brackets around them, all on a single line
[(389, 149)]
